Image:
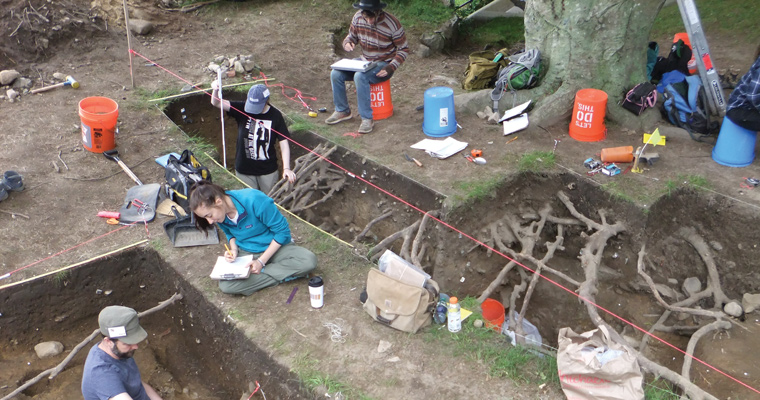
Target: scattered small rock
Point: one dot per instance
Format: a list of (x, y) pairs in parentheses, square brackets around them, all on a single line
[(691, 286), (750, 302), (478, 323), (424, 51), (682, 316), (672, 281), (239, 68), (733, 309), (8, 76), (393, 359), (140, 26), (571, 186), (48, 349), (383, 346), (434, 41), (716, 245), (666, 291), (59, 76), (22, 83)]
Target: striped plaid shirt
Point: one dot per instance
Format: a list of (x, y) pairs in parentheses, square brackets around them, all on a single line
[(383, 41), (747, 92)]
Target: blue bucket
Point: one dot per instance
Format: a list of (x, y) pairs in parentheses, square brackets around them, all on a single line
[(439, 120), (735, 146)]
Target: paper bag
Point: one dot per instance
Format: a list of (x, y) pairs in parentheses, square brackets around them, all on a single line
[(593, 367)]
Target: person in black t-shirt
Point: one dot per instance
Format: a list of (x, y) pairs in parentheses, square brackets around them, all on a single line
[(260, 126)]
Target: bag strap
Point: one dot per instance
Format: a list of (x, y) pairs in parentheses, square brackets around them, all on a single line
[(382, 319)]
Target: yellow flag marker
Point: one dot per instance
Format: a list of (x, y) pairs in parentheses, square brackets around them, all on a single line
[(655, 138)]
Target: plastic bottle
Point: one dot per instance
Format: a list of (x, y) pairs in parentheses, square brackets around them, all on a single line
[(454, 315)]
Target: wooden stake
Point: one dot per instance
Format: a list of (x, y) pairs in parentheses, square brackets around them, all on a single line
[(129, 43)]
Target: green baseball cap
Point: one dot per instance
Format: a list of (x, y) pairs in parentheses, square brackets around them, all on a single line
[(119, 322)]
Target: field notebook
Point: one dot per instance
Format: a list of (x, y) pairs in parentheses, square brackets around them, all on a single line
[(348, 64), (238, 269)]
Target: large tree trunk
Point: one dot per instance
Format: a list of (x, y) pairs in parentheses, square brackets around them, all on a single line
[(598, 44)]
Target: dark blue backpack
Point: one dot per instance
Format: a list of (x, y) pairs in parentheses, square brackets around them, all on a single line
[(685, 107)]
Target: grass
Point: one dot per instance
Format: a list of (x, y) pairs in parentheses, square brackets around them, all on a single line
[(536, 161), (725, 17), (693, 181), (61, 277), (659, 390), (490, 348), (307, 369), (478, 190)]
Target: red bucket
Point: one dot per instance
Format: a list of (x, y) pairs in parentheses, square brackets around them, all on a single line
[(493, 313)]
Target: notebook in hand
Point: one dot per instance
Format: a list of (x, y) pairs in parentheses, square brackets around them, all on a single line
[(348, 64), (238, 269)]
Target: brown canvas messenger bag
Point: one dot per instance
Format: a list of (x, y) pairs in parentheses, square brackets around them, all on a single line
[(399, 305)]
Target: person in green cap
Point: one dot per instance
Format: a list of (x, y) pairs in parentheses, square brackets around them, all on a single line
[(110, 372)]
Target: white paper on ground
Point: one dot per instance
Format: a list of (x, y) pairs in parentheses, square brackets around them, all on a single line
[(514, 111), (237, 269), (440, 148), (515, 124)]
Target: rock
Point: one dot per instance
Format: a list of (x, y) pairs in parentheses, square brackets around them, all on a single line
[(682, 316), (239, 68), (59, 76), (446, 79), (733, 309), (666, 291), (383, 346), (48, 349), (393, 359), (478, 323), (11, 94), (8, 76), (691, 286), (434, 41), (250, 65), (716, 245), (672, 281), (140, 26), (22, 83), (750, 302), (424, 51), (213, 67), (219, 59)]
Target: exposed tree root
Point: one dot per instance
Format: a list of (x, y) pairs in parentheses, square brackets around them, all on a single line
[(407, 234), (314, 178), (386, 213), (58, 368)]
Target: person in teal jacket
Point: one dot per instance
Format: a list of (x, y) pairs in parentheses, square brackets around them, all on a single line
[(253, 225)]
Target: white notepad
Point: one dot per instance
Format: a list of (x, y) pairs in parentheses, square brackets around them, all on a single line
[(348, 64), (238, 269)]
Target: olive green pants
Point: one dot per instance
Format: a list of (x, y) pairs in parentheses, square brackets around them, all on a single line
[(265, 183), (289, 262)]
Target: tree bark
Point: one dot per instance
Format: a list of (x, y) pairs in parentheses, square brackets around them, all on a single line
[(599, 44)]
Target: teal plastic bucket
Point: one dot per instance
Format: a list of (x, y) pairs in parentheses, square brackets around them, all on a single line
[(735, 146), (439, 119)]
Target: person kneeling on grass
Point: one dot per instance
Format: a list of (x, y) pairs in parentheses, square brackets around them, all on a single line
[(253, 225)]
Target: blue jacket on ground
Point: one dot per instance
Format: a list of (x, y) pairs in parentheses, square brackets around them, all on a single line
[(259, 221)]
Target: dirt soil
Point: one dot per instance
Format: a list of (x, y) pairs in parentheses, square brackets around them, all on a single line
[(52, 224)]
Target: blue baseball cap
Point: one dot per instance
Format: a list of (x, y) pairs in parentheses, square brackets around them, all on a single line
[(257, 99)]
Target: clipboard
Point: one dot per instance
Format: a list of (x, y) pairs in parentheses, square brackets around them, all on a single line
[(238, 269), (347, 64)]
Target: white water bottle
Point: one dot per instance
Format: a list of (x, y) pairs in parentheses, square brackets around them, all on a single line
[(454, 315)]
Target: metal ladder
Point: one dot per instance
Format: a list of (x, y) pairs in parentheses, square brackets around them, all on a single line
[(707, 70)]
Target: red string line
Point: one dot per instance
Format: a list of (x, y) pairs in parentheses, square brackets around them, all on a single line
[(67, 250), (256, 390), (454, 229)]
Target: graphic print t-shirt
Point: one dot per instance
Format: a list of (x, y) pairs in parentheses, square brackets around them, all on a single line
[(257, 139)]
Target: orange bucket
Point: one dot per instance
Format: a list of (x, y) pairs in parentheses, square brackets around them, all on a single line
[(381, 100), (622, 154), (693, 61), (493, 313), (98, 115), (588, 116)]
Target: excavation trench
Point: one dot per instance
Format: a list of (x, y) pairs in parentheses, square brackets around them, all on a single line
[(191, 352), (505, 218)]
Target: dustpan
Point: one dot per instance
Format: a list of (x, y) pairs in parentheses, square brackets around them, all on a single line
[(183, 233)]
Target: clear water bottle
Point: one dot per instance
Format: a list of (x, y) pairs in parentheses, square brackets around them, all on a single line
[(454, 315)]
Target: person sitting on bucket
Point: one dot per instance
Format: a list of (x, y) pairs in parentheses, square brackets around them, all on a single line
[(253, 225), (382, 40), (110, 372), (743, 107)]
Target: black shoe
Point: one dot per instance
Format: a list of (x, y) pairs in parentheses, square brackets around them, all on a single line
[(12, 181), (3, 193)]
